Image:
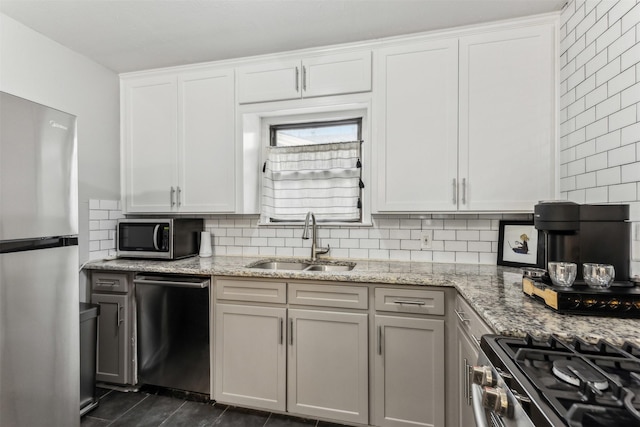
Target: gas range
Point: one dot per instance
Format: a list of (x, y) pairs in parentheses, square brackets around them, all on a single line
[(547, 383)]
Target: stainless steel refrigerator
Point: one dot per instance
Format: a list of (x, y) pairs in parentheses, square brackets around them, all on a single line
[(39, 316)]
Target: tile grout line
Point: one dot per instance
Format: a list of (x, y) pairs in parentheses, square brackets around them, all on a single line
[(129, 410)]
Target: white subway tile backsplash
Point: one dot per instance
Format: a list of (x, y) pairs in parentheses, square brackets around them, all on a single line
[(623, 193), (607, 107), (609, 176), (623, 118), (622, 81), (608, 141), (622, 156)]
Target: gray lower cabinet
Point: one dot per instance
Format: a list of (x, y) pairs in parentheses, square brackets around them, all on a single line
[(469, 329), (113, 292), (295, 347), (409, 371)]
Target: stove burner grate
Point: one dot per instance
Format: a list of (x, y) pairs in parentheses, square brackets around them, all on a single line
[(577, 372)]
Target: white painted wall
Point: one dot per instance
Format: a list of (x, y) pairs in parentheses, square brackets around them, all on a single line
[(600, 106), (36, 68)]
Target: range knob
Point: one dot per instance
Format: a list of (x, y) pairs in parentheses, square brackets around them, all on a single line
[(482, 376), (495, 399)]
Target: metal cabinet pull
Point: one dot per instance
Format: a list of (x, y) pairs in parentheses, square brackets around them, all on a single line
[(119, 319), (467, 388), (290, 331), (281, 330), (380, 340), (460, 315), (409, 302), (179, 193), (110, 283), (172, 193), (297, 80), (476, 339), (304, 78), (455, 192), (464, 191)]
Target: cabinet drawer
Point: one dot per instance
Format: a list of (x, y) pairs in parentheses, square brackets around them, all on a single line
[(328, 295), (410, 301), (469, 321), (110, 282), (251, 290)]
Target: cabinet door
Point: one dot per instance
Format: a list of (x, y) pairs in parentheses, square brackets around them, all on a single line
[(328, 369), (417, 98), (149, 147), (113, 338), (272, 81), (467, 356), (409, 372), (250, 356), (507, 119), (336, 74), (206, 143)]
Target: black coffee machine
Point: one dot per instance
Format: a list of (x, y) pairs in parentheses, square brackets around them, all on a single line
[(586, 233)]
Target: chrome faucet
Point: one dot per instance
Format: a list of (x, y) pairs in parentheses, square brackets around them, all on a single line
[(315, 251)]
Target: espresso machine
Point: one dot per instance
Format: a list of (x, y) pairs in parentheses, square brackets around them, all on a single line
[(585, 234)]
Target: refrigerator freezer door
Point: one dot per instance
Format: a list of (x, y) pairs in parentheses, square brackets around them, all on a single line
[(38, 172), (39, 338)]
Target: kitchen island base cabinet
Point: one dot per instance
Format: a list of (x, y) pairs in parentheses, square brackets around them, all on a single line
[(251, 356), (409, 372), (328, 369)]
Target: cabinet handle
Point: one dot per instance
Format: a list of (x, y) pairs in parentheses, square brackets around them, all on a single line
[(290, 331), (297, 80), (455, 192), (465, 373), (464, 191), (118, 318), (460, 315), (281, 330), (380, 340), (409, 302), (173, 191), (179, 193), (111, 283), (476, 339), (304, 78)]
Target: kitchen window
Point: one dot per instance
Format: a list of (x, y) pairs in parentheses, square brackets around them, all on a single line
[(314, 166)]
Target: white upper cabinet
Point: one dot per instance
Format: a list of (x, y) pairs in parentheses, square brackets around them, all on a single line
[(149, 135), (507, 119), (322, 75), (416, 95), (466, 124), (178, 142)]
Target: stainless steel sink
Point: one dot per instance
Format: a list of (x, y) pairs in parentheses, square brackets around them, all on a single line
[(280, 265), (330, 267), (301, 266)]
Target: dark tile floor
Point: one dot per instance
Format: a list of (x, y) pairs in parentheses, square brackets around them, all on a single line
[(153, 408)]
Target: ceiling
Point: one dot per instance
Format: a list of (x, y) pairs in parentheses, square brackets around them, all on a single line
[(126, 35)]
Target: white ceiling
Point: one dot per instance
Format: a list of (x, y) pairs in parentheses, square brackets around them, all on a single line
[(126, 35)]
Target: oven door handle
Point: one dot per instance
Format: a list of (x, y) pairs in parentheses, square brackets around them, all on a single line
[(478, 410)]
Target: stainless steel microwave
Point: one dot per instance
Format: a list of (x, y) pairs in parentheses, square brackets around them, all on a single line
[(159, 238)]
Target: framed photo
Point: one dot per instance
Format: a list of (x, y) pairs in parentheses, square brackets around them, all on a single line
[(520, 244)]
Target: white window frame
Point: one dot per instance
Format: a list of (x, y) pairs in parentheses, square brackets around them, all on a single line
[(253, 139), (366, 148)]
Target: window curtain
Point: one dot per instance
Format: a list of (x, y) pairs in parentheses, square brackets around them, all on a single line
[(322, 178)]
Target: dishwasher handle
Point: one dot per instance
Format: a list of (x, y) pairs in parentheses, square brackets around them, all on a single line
[(198, 283)]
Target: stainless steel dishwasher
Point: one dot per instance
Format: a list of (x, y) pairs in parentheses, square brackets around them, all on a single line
[(173, 331)]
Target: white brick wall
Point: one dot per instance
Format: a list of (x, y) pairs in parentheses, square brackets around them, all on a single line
[(600, 105), (456, 238), (102, 228)]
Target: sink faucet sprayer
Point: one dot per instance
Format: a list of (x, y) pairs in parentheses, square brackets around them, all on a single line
[(315, 251)]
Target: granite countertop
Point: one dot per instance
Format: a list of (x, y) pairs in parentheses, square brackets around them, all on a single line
[(493, 291)]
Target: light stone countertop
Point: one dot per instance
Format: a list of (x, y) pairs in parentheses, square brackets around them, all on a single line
[(493, 291)]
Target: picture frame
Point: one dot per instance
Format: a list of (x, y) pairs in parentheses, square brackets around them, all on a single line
[(520, 244)]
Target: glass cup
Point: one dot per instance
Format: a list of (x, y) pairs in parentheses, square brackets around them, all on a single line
[(598, 276), (563, 273)]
